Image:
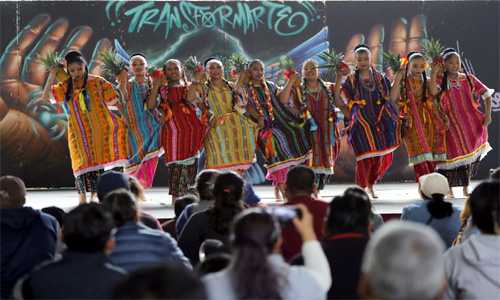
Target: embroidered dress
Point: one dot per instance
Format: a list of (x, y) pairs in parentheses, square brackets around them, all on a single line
[(325, 138), (467, 138), (97, 138), (230, 145), (182, 138), (425, 137), (144, 135), (376, 128), (284, 141)]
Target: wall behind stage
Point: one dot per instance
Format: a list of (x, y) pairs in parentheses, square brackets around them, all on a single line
[(34, 137)]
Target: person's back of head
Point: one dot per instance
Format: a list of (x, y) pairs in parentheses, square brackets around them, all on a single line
[(434, 186), (228, 192), (164, 281), (136, 189), (121, 205), (403, 260), (485, 207), (88, 228), (12, 192), (254, 235), (205, 184), (300, 180), (351, 211), (182, 202), (57, 213), (110, 181), (495, 174)]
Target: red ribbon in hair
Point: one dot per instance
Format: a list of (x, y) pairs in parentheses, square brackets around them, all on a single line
[(289, 73)]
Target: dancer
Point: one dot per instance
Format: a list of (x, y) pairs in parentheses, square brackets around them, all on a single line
[(376, 129), (467, 137), (183, 133), (145, 126), (426, 124), (230, 141), (97, 138), (314, 101), (282, 140)]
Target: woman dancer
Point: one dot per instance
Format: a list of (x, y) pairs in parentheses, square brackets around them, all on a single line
[(183, 132), (425, 127), (315, 102), (467, 137), (282, 140), (376, 129), (230, 141), (97, 138), (145, 126)]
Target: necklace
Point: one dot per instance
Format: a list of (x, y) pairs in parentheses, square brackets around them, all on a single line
[(315, 97), (370, 85), (141, 87), (455, 83), (414, 91)]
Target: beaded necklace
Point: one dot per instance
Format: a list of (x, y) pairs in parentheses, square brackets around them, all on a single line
[(267, 96)]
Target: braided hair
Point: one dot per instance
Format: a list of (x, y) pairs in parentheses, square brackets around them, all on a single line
[(447, 54), (411, 56), (75, 56), (167, 85), (209, 85)]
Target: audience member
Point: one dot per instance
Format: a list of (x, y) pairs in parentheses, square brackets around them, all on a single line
[(214, 222), (27, 236), (258, 271), (112, 180), (348, 226), (179, 206), (443, 216), (213, 263), (204, 187), (136, 244), (164, 281), (403, 260), (467, 229), (85, 271), (59, 215), (473, 267), (299, 186)]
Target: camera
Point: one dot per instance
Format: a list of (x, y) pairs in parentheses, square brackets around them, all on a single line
[(285, 214)]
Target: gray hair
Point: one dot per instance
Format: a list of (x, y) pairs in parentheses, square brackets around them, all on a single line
[(404, 260)]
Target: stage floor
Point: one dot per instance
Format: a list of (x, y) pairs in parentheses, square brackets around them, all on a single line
[(392, 197)]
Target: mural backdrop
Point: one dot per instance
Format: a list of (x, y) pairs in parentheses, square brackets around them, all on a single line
[(34, 137)]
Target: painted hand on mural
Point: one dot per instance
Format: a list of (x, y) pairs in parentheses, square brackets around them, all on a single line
[(405, 37)]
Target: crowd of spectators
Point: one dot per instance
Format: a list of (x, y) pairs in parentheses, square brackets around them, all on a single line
[(223, 244)]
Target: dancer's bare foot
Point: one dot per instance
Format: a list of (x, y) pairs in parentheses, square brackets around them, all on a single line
[(82, 198), (466, 191), (450, 193), (93, 198), (371, 192), (277, 194)]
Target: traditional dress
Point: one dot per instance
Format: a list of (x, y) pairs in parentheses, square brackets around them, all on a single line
[(425, 135), (467, 138), (284, 141), (319, 108), (182, 138), (376, 129), (144, 134), (230, 145), (97, 138)]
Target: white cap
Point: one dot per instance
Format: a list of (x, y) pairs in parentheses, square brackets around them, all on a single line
[(433, 183)]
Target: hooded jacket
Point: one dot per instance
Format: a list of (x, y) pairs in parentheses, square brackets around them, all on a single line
[(28, 237), (473, 268)]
